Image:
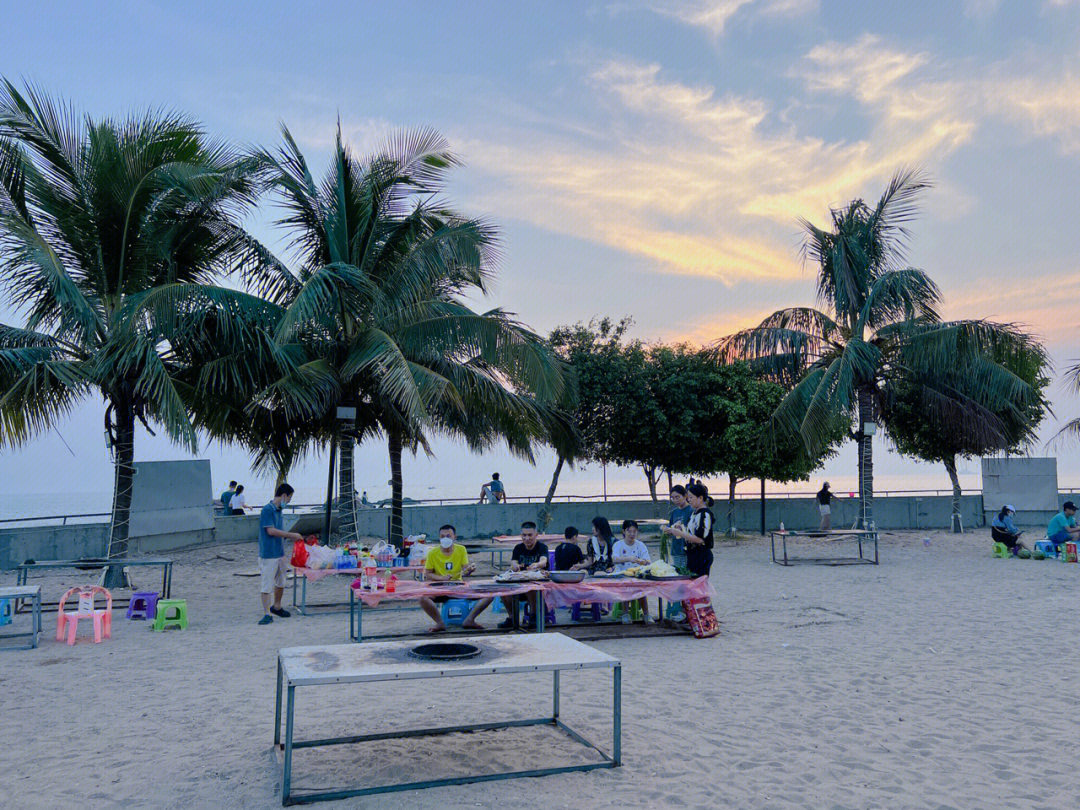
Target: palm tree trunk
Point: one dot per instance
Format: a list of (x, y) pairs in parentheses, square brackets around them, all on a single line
[(124, 451), (950, 465), (346, 486), (395, 489), (545, 515), (866, 460), (732, 481), (653, 478), (670, 483)]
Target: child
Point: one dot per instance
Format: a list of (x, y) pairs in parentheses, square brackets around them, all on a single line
[(628, 553), (568, 556)]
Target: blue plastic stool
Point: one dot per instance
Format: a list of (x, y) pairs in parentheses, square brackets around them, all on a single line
[(7, 610), (454, 611), (549, 614), (1046, 547), (497, 605)]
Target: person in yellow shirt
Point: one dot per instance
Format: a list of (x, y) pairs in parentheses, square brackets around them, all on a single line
[(449, 562)]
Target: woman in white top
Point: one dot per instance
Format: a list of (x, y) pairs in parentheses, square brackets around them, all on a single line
[(629, 551), (238, 503)]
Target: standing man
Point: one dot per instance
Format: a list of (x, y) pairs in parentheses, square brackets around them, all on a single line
[(824, 498), (272, 563), (226, 496)]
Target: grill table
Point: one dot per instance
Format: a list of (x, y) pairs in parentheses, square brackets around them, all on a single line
[(860, 536), (301, 577), (389, 661), (18, 594), (23, 571)]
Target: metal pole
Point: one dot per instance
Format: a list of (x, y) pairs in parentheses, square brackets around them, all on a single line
[(555, 698), (329, 490), (286, 779), (277, 706), (617, 729), (604, 465), (762, 507)]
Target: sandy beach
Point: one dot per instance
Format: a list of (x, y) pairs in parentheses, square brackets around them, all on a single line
[(940, 679)]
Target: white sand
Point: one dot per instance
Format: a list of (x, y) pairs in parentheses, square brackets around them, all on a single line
[(942, 678)]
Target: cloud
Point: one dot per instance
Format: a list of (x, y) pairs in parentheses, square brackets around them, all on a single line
[(713, 15)]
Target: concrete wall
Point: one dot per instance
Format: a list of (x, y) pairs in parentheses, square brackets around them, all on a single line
[(481, 521)]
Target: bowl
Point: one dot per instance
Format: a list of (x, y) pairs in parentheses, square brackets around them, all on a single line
[(566, 576)]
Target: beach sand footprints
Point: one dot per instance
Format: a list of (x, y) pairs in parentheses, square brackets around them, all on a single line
[(814, 615)]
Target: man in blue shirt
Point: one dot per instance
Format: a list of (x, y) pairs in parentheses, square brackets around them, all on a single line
[(1063, 525), (493, 490), (272, 563), (226, 496)]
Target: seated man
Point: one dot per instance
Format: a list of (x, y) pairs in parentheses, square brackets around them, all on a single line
[(568, 556), (449, 561), (528, 555), (1063, 525)]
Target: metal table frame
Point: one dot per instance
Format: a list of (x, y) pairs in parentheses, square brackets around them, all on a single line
[(21, 593), (23, 572), (356, 614), (859, 535), (289, 744)]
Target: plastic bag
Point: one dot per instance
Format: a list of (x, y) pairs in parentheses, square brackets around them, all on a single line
[(321, 557), (299, 555)]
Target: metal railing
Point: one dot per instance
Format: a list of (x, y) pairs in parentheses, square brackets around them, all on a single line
[(64, 519)]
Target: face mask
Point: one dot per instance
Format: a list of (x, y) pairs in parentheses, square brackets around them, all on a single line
[(446, 542)]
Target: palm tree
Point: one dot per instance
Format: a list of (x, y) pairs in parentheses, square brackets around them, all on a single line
[(880, 326), (94, 215), (376, 305)]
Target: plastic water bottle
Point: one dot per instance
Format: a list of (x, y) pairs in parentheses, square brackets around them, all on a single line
[(551, 561), (781, 527), (391, 584)]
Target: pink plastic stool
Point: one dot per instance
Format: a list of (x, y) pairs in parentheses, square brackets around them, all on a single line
[(68, 621)]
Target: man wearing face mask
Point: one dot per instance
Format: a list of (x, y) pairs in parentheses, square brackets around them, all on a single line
[(272, 563), (449, 562)]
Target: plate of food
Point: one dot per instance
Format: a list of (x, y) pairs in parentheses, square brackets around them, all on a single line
[(521, 576)]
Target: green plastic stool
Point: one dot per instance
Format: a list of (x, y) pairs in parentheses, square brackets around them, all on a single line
[(620, 608), (1000, 550), (178, 607)]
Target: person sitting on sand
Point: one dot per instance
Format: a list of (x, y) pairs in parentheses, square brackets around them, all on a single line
[(568, 556), (629, 552), (528, 555), (1003, 530), (598, 551), (1063, 525), (447, 562)]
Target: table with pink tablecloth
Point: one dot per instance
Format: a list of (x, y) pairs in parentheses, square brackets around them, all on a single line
[(459, 590), (301, 577), (604, 589)]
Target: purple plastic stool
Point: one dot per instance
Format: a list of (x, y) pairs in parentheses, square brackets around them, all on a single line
[(575, 611), (549, 614), (143, 605)]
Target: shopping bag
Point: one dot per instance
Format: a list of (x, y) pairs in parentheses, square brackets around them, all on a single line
[(299, 555), (702, 617)]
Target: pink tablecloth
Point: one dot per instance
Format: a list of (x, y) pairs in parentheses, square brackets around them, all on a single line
[(516, 538), (601, 589), (464, 590)]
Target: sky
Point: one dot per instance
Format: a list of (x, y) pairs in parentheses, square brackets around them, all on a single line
[(650, 158)]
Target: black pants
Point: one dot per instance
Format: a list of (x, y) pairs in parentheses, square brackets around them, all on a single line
[(699, 562)]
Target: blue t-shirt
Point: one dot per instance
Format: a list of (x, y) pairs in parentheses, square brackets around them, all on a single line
[(226, 496), (1059, 523), (681, 515), (270, 548), (495, 486)]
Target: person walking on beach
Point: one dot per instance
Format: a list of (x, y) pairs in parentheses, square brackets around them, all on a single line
[(226, 496), (824, 498), (238, 502), (272, 563)]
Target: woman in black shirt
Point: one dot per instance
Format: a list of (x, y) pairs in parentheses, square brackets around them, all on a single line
[(599, 548), (698, 533)]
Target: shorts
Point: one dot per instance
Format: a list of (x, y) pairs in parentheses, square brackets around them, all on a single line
[(824, 509), (272, 573), (1060, 537)]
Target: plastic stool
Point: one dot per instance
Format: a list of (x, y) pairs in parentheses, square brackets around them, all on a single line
[(497, 605), (162, 619), (549, 613), (67, 622), (621, 608), (7, 610), (1001, 551), (1046, 547), (143, 605), (575, 611), (454, 611)]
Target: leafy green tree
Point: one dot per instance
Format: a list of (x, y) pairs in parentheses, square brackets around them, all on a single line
[(95, 215), (969, 423), (880, 326), (377, 304)]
